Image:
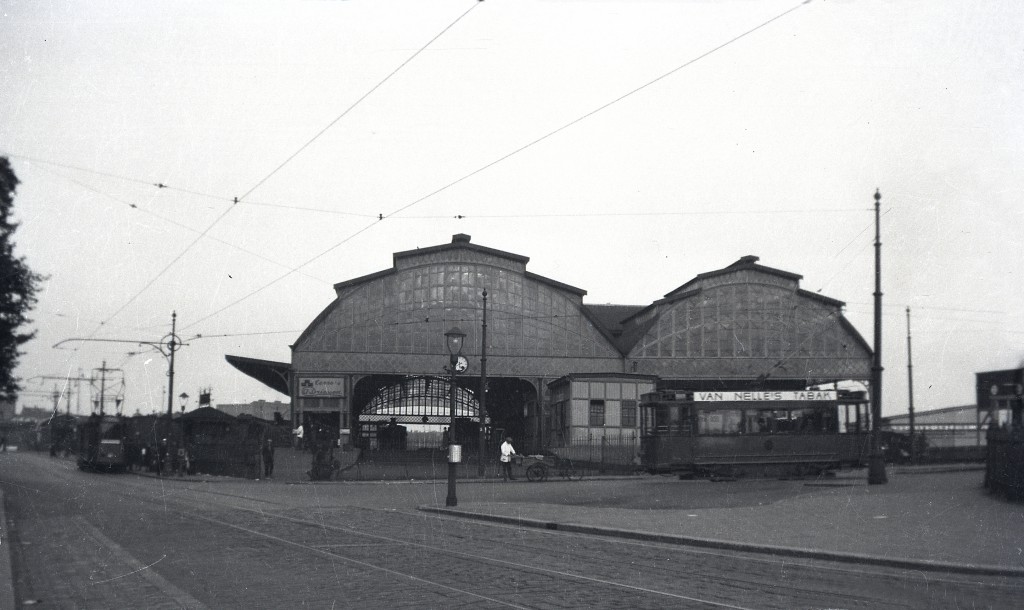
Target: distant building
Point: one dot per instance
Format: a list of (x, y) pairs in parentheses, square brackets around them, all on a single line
[(262, 409), (35, 414), (962, 426)]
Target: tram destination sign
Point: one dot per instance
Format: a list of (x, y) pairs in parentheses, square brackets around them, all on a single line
[(728, 396)]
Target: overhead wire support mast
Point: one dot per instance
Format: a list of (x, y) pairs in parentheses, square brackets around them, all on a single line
[(168, 345), (876, 461)]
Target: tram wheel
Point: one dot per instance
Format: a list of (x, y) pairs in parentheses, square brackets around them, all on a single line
[(536, 472)]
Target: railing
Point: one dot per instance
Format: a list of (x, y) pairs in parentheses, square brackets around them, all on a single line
[(1004, 466), (601, 455)]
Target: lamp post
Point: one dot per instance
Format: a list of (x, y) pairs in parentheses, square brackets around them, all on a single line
[(456, 364), (183, 401)]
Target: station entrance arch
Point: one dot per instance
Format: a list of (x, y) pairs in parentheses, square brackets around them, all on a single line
[(409, 413)]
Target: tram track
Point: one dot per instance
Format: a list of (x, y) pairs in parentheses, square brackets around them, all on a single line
[(474, 559), (784, 573), (780, 581), (662, 568), (333, 546)]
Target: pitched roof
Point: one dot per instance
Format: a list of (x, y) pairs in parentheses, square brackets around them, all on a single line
[(744, 263)]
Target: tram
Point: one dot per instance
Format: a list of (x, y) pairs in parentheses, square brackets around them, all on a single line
[(730, 434), (101, 443)]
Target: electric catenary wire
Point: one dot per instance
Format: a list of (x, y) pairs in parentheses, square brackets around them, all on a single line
[(236, 200), (512, 154)]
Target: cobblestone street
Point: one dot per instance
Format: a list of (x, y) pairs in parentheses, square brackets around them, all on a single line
[(85, 540)]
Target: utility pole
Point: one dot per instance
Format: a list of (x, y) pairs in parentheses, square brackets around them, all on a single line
[(169, 344), (103, 370), (910, 392), (103, 383), (78, 388), (483, 390), (876, 462), (171, 347)]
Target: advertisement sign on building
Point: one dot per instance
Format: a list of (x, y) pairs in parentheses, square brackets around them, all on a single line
[(763, 396), (321, 387)]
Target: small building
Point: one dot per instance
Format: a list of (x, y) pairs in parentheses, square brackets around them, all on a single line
[(262, 409), (1001, 397)]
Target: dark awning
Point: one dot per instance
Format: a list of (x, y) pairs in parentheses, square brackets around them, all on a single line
[(274, 375)]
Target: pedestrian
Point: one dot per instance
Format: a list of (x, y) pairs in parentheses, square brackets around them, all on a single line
[(507, 451), (297, 432), (268, 456), (3, 444), (161, 457)]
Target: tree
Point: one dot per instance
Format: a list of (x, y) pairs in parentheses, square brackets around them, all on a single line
[(18, 286)]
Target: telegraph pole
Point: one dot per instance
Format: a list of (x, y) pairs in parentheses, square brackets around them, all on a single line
[(78, 388), (910, 393), (171, 347), (483, 391), (876, 462), (103, 383)]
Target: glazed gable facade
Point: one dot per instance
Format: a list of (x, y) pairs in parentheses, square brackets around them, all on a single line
[(395, 320), (747, 322)]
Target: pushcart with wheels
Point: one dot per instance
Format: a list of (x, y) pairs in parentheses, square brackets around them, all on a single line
[(540, 467)]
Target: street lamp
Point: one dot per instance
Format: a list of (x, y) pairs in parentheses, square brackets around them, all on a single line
[(456, 364), (183, 401)]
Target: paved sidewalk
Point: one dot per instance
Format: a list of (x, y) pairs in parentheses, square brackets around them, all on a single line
[(920, 519)]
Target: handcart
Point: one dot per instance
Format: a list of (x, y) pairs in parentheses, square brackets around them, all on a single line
[(540, 467)]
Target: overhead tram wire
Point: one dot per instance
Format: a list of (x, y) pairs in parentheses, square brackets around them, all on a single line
[(184, 226), (639, 214), (301, 208), (260, 183), (510, 154), (599, 109), (87, 170)]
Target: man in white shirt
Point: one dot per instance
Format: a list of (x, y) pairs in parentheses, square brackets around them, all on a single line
[(298, 437), (507, 451)]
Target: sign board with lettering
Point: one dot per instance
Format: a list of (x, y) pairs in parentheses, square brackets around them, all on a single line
[(778, 396), (321, 387)]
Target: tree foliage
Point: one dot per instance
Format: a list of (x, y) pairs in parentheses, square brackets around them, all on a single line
[(18, 286)]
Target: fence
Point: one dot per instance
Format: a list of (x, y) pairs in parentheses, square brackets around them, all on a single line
[(601, 455), (934, 444), (1004, 466)]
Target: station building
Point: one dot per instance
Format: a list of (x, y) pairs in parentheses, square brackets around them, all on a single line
[(558, 370)]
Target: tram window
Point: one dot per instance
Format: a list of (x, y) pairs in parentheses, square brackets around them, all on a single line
[(719, 421), (762, 421), (661, 419), (751, 423), (676, 423)]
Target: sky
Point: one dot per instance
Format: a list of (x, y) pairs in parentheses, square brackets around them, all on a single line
[(624, 146)]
